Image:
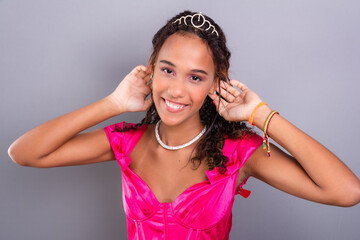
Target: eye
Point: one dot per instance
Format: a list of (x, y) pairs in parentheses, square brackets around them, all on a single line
[(195, 78), (167, 71)]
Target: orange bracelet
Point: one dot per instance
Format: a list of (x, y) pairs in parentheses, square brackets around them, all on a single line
[(251, 119)]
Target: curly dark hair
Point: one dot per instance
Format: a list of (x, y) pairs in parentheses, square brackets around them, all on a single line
[(210, 146)]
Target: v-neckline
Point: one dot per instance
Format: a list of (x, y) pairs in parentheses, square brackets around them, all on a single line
[(136, 141)]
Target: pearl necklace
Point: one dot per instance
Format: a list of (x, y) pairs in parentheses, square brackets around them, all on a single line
[(176, 147)]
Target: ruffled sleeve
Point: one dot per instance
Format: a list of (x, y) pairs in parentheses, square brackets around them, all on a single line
[(115, 136), (122, 142), (246, 146), (238, 151)]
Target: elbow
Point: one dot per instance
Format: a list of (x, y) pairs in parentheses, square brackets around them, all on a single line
[(349, 202), (351, 197), (15, 155), (354, 199), (18, 156)]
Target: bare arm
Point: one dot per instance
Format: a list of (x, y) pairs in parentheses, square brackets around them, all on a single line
[(58, 142), (312, 172)]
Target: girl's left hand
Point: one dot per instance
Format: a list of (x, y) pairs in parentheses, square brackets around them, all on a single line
[(235, 105)]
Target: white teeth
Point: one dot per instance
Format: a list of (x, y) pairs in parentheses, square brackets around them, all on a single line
[(173, 105)]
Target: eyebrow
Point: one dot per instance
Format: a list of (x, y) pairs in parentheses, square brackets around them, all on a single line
[(193, 70)]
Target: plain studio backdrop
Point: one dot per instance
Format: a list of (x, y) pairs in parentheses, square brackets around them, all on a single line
[(302, 57)]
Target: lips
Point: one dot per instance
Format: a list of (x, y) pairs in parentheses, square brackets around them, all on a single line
[(174, 106)]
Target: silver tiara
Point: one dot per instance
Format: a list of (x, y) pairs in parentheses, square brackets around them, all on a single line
[(202, 21)]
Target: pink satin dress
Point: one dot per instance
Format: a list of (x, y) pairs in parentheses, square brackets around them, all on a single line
[(203, 211)]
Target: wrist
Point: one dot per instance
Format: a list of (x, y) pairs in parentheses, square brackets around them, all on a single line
[(111, 106), (251, 118), (261, 115)]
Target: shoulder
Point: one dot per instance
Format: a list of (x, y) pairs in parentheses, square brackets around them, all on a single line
[(239, 149), (123, 127), (245, 144), (122, 135)]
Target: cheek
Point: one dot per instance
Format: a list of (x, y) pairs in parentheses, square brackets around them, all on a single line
[(158, 84), (199, 95)]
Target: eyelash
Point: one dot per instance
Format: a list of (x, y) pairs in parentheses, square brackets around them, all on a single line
[(168, 71), (199, 78)]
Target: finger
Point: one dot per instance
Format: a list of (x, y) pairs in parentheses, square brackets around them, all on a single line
[(222, 108), (137, 69), (148, 102), (223, 103), (225, 93), (229, 88), (238, 84), (150, 84), (143, 73), (220, 103), (147, 79), (215, 96), (147, 90), (140, 71)]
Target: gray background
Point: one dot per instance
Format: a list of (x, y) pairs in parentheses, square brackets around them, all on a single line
[(301, 57)]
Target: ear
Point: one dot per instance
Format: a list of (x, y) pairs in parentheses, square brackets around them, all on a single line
[(215, 85)]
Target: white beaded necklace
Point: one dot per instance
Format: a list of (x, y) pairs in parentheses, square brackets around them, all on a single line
[(176, 147)]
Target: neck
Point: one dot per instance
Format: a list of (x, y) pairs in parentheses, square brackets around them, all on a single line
[(179, 134)]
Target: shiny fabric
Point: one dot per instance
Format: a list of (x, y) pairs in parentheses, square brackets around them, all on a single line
[(203, 211)]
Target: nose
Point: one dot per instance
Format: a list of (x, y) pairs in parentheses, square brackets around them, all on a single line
[(177, 88)]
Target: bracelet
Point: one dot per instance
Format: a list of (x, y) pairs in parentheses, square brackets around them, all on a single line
[(266, 137), (251, 119)]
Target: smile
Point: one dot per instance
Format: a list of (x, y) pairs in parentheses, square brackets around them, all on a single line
[(174, 107)]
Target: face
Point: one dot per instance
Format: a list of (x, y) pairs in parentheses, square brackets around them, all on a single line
[(183, 76)]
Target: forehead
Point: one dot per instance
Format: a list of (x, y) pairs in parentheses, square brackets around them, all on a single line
[(188, 51)]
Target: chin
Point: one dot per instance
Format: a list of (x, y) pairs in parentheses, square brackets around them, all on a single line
[(173, 120)]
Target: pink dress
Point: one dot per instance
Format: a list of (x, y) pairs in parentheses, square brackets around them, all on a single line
[(203, 211)]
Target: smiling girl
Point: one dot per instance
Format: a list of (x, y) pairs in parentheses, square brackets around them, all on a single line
[(184, 163)]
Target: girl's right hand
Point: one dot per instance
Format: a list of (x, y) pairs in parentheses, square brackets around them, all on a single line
[(131, 94)]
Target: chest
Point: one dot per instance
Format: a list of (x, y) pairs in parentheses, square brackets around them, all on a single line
[(167, 173)]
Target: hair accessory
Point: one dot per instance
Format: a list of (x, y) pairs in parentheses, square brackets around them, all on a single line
[(251, 119), (266, 137), (176, 147), (201, 22)]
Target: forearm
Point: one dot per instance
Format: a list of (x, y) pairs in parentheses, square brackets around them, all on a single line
[(49, 136), (327, 171)]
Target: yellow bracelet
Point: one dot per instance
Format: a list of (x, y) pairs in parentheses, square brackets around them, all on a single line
[(251, 119), (266, 144)]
